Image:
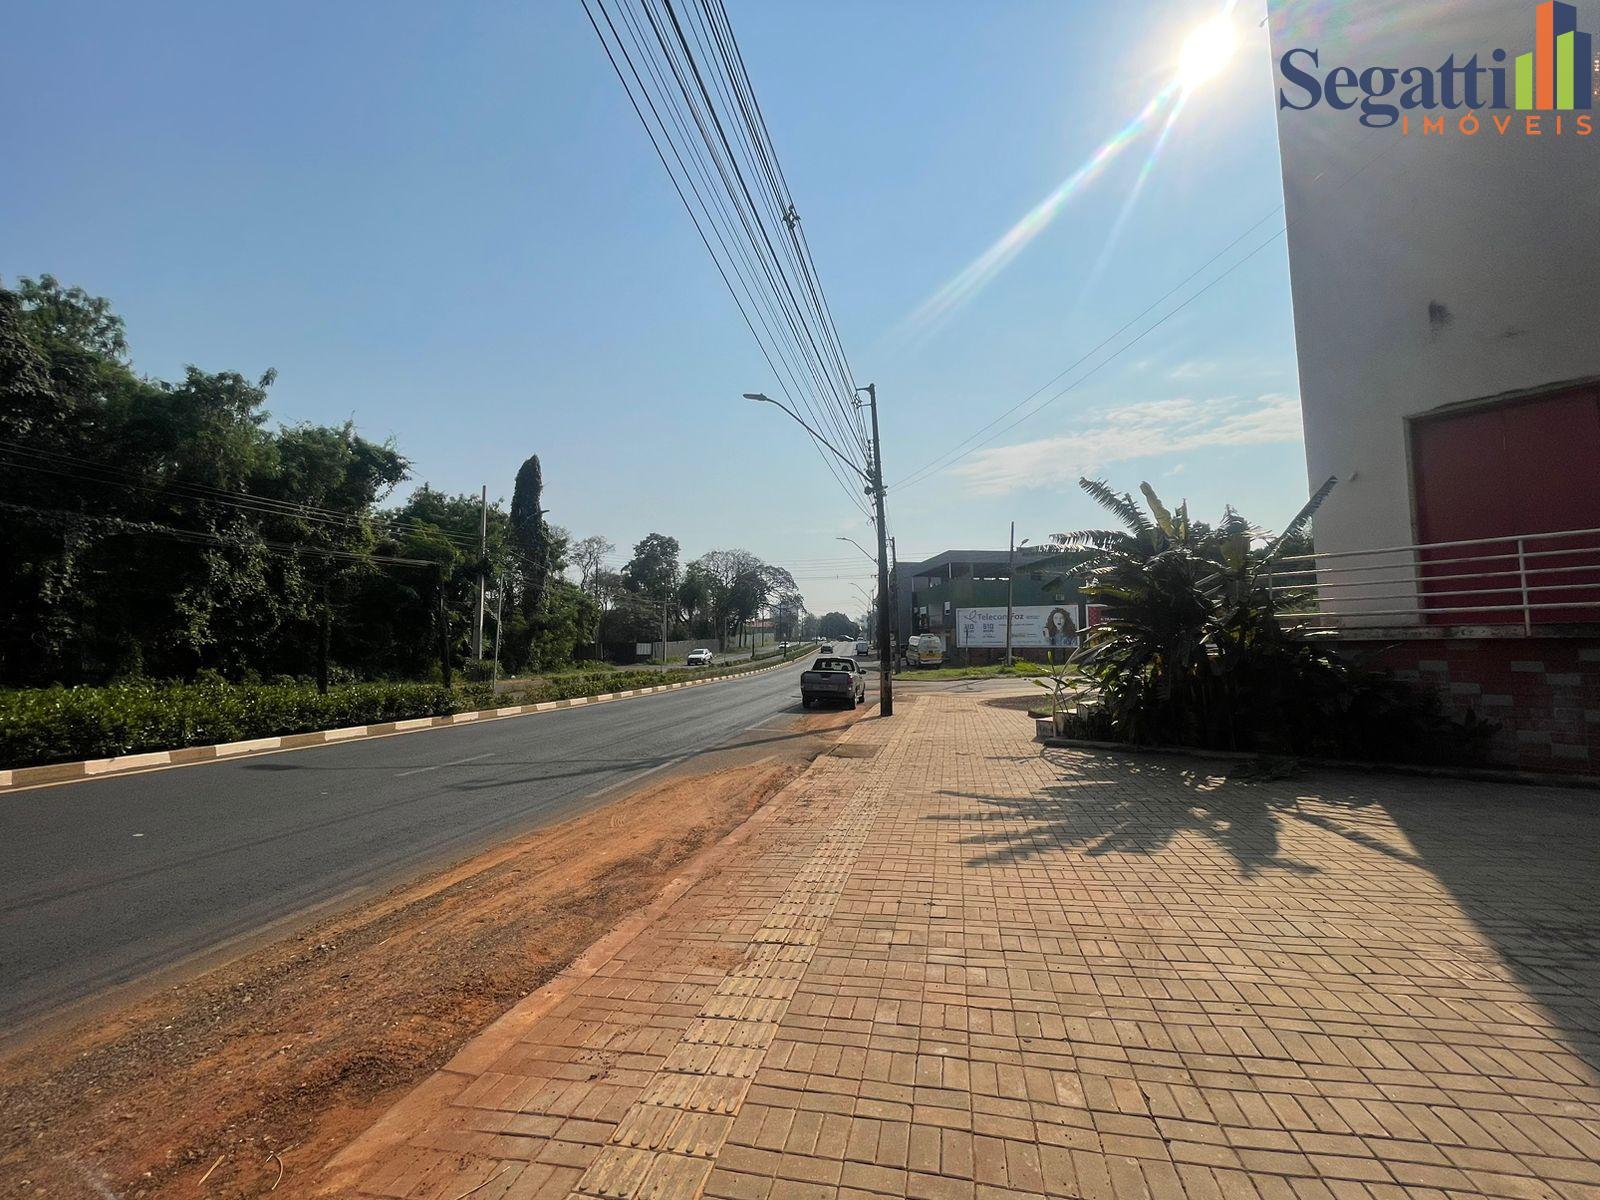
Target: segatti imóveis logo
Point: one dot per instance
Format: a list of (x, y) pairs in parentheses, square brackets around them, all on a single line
[(1548, 90)]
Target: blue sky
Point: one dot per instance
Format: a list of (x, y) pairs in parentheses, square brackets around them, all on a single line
[(445, 223)]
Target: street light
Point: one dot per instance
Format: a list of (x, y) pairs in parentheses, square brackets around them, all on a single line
[(858, 546), (762, 398), (1011, 559), (866, 598), (875, 489)]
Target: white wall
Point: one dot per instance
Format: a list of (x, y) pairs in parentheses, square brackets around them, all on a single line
[(1497, 235)]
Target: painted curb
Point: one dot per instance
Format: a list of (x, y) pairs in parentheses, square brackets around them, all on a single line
[(17, 778)]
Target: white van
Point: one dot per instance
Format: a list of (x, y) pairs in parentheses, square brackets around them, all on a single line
[(924, 650)]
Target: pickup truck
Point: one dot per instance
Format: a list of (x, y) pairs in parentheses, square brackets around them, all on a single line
[(837, 679)]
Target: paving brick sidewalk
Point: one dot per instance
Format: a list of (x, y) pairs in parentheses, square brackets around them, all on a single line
[(950, 965)]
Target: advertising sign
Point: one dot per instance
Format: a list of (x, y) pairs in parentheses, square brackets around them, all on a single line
[(1036, 627)]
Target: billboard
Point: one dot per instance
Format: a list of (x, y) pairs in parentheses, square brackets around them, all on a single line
[(1036, 627)]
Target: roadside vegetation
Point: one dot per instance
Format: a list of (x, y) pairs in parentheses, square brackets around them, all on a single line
[(1017, 670), (1196, 649), (39, 726), (164, 547)]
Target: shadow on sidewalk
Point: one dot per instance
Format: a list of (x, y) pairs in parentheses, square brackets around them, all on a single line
[(1111, 805), (1521, 863)]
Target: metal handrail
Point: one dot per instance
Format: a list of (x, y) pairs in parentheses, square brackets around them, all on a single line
[(1507, 537), (1531, 571)]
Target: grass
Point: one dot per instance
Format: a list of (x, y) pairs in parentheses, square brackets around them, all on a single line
[(1018, 670)]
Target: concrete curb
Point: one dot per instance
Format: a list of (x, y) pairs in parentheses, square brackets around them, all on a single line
[(1475, 774), (18, 778)]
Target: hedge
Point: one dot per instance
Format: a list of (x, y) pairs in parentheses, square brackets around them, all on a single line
[(48, 725), (594, 683)]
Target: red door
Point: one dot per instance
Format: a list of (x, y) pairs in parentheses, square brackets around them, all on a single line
[(1509, 470)]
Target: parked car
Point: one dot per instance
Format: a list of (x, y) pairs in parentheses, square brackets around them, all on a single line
[(700, 658), (838, 679)]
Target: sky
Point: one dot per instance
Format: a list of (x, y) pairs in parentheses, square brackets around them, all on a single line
[(445, 223)]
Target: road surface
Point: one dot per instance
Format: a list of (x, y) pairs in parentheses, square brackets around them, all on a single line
[(105, 881)]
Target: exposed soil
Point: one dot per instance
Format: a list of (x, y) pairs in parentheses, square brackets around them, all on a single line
[(251, 1076)]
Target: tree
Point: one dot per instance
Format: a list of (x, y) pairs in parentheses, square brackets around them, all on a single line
[(529, 535), (589, 556), (837, 625), (653, 569), (72, 318), (694, 599), (787, 614), (737, 585)]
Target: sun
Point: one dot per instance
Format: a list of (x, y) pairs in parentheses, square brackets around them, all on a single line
[(1206, 52)]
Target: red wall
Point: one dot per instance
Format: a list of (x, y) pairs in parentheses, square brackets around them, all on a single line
[(1543, 692), (1524, 466)]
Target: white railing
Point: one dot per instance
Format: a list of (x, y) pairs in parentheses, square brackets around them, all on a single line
[(1527, 580)]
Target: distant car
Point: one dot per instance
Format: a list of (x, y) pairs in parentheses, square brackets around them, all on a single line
[(832, 678), (699, 658), (826, 648), (863, 650)]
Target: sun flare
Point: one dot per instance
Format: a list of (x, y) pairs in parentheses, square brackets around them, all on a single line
[(1206, 52)]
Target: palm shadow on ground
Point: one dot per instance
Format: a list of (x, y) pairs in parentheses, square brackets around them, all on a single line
[(1521, 863)]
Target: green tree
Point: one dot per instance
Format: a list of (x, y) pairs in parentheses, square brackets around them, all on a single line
[(530, 535), (837, 625), (653, 569)]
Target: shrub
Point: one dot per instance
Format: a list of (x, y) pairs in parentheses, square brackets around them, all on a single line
[(1194, 651), (59, 724)]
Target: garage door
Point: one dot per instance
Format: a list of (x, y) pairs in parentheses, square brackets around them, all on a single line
[(1507, 471)]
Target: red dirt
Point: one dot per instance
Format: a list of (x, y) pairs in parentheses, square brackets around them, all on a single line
[(282, 1056)]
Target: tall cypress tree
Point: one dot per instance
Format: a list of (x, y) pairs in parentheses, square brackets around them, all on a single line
[(530, 534)]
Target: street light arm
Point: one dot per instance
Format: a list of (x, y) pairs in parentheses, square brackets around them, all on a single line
[(822, 441), (857, 545)]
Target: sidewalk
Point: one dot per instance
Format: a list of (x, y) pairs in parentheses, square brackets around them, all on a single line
[(945, 964)]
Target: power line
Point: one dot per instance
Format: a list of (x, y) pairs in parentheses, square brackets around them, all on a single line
[(205, 537), (959, 452), (80, 470), (659, 134), (686, 84), (1112, 357)]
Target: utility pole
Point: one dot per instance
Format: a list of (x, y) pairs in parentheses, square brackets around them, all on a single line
[(483, 562), (894, 597), (499, 606), (1011, 571), (875, 489), (442, 619), (885, 657)]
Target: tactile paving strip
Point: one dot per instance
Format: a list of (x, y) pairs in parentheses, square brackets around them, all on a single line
[(666, 1144)]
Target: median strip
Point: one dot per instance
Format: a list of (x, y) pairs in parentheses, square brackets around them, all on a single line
[(20, 778)]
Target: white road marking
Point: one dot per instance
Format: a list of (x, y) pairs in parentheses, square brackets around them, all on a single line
[(436, 766)]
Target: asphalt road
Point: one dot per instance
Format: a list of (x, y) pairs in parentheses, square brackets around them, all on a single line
[(105, 881)]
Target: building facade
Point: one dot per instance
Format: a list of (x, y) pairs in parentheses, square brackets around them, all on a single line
[(1442, 190), (931, 595)]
